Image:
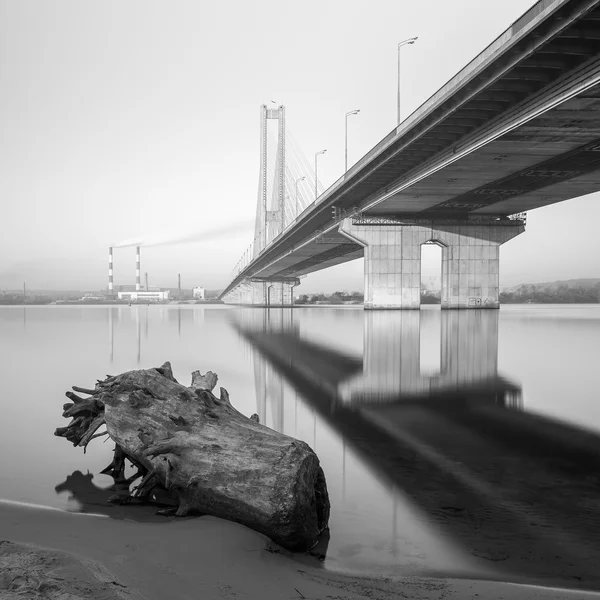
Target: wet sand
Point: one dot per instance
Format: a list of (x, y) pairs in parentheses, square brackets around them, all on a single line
[(202, 558)]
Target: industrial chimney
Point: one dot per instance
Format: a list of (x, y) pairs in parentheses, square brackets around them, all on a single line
[(138, 286), (110, 271), (179, 284), (146, 278)]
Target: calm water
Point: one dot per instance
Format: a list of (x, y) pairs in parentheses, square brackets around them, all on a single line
[(441, 433)]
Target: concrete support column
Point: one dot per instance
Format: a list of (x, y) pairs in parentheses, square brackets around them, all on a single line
[(263, 292), (257, 293), (470, 262), (392, 264), (280, 293), (247, 292), (273, 294)]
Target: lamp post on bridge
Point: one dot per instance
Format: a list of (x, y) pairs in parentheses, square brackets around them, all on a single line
[(403, 43), (352, 112), (285, 199), (297, 180), (316, 163)]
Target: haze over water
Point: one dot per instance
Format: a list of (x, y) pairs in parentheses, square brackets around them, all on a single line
[(442, 434)]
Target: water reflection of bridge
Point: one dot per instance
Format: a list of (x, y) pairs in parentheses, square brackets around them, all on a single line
[(429, 355), (516, 489), (426, 356)]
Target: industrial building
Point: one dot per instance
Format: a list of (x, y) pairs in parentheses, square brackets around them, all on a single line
[(145, 296)]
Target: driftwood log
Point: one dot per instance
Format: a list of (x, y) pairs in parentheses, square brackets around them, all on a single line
[(208, 456)]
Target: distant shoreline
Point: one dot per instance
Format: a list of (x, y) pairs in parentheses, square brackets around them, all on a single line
[(296, 305), (110, 303)]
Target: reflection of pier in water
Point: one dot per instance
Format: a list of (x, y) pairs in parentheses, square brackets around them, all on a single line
[(429, 355), (515, 488)]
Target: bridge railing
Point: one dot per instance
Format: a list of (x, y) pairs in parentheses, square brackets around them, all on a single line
[(516, 30)]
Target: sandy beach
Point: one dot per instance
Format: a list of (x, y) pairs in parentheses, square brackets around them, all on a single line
[(46, 552)]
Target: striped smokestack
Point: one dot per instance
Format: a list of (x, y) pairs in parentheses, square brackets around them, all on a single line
[(110, 270), (138, 286)]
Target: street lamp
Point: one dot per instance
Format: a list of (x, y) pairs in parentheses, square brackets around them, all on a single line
[(316, 179), (352, 112), (404, 43), (297, 180)]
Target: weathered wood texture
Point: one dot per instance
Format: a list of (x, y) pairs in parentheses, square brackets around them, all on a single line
[(213, 458)]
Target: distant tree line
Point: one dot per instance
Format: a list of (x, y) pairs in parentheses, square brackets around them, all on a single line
[(335, 298), (355, 298), (18, 299), (561, 295)]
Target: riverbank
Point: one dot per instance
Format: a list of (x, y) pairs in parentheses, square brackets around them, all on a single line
[(204, 558)]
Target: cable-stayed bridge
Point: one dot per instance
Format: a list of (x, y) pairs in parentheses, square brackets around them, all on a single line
[(516, 129)]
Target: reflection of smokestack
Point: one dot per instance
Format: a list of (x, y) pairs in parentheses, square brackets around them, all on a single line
[(146, 278), (138, 286), (110, 270)]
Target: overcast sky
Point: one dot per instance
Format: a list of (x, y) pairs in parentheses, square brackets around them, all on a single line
[(126, 118)]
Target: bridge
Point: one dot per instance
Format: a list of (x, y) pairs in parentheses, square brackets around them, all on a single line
[(516, 129)]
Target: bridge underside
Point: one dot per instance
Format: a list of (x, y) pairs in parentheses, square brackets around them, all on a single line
[(522, 133), (550, 159)]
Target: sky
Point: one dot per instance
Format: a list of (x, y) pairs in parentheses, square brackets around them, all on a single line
[(138, 118)]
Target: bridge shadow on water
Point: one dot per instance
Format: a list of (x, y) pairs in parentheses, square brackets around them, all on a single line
[(517, 491)]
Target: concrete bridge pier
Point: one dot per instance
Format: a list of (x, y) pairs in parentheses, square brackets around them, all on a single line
[(247, 292), (470, 259), (256, 293), (280, 292), (264, 292)]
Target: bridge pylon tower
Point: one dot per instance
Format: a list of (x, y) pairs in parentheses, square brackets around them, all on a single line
[(270, 210)]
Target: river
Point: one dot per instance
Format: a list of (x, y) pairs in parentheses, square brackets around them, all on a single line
[(449, 439)]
